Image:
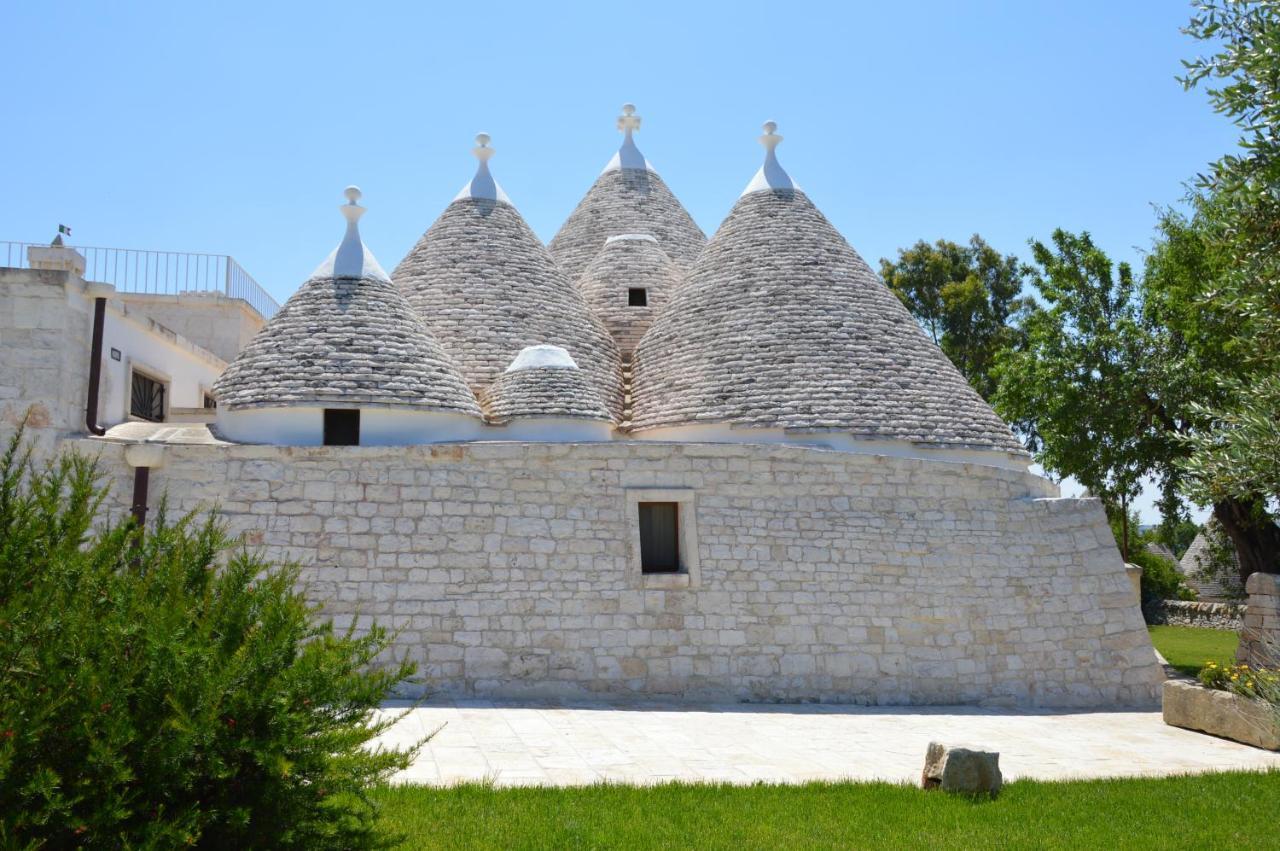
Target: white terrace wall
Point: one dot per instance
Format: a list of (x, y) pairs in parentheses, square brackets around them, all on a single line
[(509, 569)]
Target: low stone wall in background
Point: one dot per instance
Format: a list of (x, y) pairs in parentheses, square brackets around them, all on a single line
[(1212, 615)]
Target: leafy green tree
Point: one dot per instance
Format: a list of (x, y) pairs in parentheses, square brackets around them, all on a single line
[(1234, 456), (161, 690), (1076, 384), (1115, 372), (963, 296)]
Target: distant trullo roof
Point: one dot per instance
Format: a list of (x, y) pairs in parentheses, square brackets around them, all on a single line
[(1198, 557), (627, 197), (487, 288), (544, 381), (780, 324), (346, 337), (626, 262)]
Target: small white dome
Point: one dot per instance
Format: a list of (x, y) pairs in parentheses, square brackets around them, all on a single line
[(542, 357)]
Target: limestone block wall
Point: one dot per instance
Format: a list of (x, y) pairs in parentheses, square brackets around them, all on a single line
[(1260, 636), (510, 569), (45, 325)]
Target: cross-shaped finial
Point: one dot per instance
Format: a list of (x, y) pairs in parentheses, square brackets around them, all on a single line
[(628, 120)]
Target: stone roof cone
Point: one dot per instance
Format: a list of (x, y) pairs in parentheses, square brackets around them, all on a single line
[(627, 197), (485, 285), (346, 337), (544, 381), (780, 324), (629, 262)]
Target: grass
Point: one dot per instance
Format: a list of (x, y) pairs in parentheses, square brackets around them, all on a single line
[(1187, 648), (1216, 810)]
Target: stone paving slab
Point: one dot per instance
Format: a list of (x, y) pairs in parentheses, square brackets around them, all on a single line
[(576, 743)]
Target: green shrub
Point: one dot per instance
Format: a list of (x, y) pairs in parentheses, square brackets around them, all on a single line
[(161, 690)]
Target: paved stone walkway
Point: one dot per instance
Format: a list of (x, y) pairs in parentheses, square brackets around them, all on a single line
[(578, 743)]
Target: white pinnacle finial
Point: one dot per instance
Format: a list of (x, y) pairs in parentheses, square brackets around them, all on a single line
[(770, 139), (351, 259), (482, 150), (771, 175), (483, 185), (351, 209)]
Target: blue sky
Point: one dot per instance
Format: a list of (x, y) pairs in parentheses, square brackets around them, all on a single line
[(233, 127)]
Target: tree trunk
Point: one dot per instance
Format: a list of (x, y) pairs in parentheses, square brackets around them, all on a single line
[(1253, 533), (1124, 526)]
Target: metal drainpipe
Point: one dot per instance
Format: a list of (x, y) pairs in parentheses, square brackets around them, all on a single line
[(95, 369), (141, 479)]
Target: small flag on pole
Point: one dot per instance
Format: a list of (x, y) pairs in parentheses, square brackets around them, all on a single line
[(63, 229)]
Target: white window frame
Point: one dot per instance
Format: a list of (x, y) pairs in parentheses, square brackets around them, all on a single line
[(156, 375)]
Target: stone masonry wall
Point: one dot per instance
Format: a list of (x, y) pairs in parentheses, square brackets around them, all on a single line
[(821, 575), (1196, 613), (1260, 637), (45, 326)]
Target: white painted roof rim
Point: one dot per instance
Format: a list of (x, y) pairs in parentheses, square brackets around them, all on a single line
[(542, 357), (352, 258), (628, 236), (483, 186), (771, 176)]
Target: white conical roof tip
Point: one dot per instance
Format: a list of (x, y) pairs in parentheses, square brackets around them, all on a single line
[(771, 175), (352, 258), (483, 185)]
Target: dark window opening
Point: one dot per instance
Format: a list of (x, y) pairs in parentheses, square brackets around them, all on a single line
[(637, 297), (341, 427), (209, 402), (146, 398), (659, 537)]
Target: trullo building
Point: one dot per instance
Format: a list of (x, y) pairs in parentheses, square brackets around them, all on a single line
[(642, 463)]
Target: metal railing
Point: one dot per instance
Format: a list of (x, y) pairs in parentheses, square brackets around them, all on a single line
[(160, 272)]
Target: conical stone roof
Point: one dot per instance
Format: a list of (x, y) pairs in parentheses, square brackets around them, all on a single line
[(544, 381), (627, 197), (780, 324), (486, 287), (346, 337), (628, 262)]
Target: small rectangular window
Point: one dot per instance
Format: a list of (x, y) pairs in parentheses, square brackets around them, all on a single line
[(341, 427), (637, 297), (209, 402), (146, 398), (659, 537)]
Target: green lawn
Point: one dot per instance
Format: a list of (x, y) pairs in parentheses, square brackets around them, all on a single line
[(1219, 810), (1188, 647)]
